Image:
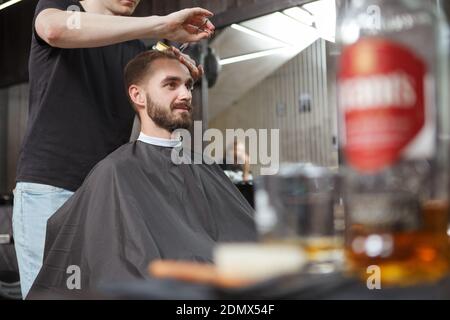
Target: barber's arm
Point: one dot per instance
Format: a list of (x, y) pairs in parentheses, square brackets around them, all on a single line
[(98, 30)]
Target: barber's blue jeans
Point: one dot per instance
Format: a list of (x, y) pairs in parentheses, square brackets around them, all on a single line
[(34, 204)]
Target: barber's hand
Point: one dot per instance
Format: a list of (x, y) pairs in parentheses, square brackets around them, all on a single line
[(196, 71), (188, 25)]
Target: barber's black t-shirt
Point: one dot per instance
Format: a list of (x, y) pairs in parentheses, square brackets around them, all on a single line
[(78, 109)]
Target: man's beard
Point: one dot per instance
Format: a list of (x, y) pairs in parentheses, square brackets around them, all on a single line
[(167, 119)]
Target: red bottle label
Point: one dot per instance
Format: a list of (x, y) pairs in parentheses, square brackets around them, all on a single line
[(382, 100)]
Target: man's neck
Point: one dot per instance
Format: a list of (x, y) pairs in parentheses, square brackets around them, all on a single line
[(95, 6), (152, 130)]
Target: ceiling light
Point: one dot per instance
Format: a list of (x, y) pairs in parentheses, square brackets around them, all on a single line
[(290, 30), (255, 55), (301, 15), (8, 3), (257, 34), (324, 12)]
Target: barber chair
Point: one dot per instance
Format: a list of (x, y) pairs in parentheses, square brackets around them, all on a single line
[(247, 190)]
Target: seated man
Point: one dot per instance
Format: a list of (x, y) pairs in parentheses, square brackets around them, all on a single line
[(236, 163), (137, 205)]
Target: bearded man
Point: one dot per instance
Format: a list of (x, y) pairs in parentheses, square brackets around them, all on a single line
[(137, 205), (78, 112)]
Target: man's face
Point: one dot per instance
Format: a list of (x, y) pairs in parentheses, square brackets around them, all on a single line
[(121, 7), (169, 95)]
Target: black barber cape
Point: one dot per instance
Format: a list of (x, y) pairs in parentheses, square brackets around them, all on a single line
[(136, 206)]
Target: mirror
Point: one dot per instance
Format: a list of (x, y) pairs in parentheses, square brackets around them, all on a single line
[(275, 72)]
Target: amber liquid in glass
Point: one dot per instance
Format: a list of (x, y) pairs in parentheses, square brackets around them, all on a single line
[(415, 256)]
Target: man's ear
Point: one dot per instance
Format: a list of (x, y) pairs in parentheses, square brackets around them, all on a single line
[(137, 95)]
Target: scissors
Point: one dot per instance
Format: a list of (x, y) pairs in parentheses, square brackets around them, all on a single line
[(183, 46), (160, 46), (186, 44)]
